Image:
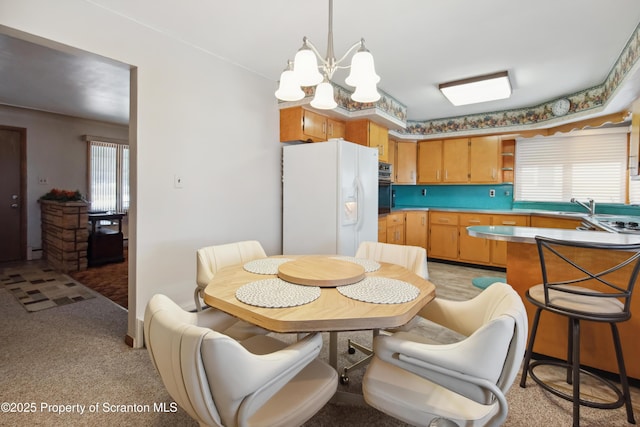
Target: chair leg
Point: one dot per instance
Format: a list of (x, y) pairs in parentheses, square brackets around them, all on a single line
[(570, 351), (527, 355), (624, 382), (575, 362), (196, 297)]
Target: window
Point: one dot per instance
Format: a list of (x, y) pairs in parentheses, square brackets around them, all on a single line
[(584, 165), (108, 176)]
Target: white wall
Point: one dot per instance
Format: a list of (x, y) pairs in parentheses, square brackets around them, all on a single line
[(211, 122), (56, 151)]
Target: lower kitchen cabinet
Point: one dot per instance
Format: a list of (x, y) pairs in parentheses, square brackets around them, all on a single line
[(499, 248), (555, 222), (395, 228), (443, 235), (416, 228), (449, 239), (382, 229), (473, 249)]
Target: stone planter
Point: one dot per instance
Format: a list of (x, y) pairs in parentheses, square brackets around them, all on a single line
[(64, 234)]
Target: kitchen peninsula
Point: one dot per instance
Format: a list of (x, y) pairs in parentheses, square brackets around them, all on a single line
[(523, 272)]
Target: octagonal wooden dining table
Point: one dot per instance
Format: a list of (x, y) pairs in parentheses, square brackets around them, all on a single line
[(331, 311)]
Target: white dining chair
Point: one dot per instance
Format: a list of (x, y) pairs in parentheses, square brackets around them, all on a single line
[(413, 258), (418, 381), (219, 381)]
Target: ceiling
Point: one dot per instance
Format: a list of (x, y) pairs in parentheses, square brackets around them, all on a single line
[(551, 48)]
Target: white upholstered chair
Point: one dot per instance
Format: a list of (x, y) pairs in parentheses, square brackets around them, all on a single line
[(212, 258), (413, 258), (417, 381), (219, 381)]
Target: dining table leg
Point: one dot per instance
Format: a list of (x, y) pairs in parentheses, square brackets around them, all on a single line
[(333, 350)]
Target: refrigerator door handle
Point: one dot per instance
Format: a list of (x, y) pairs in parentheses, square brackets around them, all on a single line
[(359, 202)]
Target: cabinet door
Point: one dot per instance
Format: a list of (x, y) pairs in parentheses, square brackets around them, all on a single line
[(379, 138), (395, 228), (443, 235), (552, 222), (484, 158), (429, 162), (335, 128), (455, 160), (416, 229), (474, 249), (499, 248), (405, 165), (314, 125), (382, 230), (443, 241)]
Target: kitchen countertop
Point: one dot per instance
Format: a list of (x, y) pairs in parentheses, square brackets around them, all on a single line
[(528, 234)]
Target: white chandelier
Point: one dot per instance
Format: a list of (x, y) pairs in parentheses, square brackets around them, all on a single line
[(305, 71)]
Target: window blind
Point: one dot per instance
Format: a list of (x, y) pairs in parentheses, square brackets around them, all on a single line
[(582, 165), (108, 176)]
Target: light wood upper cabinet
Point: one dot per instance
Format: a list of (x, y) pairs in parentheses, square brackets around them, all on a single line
[(405, 162), (299, 124), (459, 161), (484, 158), (368, 133), (455, 160), (335, 128), (429, 162)]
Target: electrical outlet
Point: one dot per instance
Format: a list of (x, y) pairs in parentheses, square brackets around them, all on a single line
[(424, 191), (492, 193), (43, 180)]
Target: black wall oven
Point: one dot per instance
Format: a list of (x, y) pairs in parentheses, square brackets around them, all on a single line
[(385, 188)]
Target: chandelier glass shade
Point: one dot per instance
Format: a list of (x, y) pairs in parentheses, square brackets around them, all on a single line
[(304, 71)]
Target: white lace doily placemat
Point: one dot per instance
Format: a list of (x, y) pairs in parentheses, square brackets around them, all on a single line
[(265, 265), (380, 290), (276, 293), (369, 265)]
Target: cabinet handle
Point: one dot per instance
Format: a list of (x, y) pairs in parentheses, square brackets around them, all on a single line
[(493, 173), (324, 128), (446, 174), (446, 220), (422, 220), (508, 223), (413, 175), (474, 221), (438, 175)]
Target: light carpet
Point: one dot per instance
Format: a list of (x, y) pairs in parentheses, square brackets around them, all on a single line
[(75, 354)]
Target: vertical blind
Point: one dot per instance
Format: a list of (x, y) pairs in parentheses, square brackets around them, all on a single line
[(109, 176), (584, 165)]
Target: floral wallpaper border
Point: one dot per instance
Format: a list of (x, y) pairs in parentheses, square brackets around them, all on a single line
[(581, 103)]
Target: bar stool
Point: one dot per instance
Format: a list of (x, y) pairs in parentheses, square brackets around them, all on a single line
[(598, 292)]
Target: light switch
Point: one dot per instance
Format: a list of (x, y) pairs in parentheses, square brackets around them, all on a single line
[(178, 181)]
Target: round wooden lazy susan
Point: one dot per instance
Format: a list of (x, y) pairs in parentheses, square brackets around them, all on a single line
[(321, 271)]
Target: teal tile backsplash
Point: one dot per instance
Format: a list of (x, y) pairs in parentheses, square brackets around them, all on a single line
[(454, 196), (477, 197)]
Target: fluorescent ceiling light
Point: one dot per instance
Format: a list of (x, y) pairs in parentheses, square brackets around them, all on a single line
[(477, 89)]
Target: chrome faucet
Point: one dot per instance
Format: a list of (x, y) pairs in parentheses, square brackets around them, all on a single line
[(591, 207)]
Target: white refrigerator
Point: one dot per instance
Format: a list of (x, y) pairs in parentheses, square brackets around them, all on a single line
[(330, 197)]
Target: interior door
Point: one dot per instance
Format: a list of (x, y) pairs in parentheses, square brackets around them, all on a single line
[(11, 205)]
